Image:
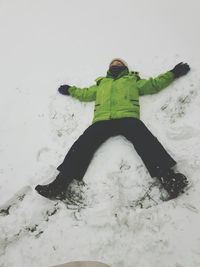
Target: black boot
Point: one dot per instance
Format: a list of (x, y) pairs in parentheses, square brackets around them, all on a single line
[(173, 183), (55, 189)]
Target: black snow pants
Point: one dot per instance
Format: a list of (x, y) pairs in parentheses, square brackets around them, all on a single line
[(152, 153)]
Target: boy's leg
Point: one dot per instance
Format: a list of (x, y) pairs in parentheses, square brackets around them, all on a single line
[(78, 157), (80, 154), (153, 154)]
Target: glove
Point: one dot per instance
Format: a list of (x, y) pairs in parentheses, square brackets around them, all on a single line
[(180, 69), (63, 89)]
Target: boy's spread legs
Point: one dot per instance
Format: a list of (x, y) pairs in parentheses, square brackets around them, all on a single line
[(154, 156)]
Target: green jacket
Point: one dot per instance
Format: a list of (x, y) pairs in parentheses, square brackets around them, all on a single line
[(119, 97)]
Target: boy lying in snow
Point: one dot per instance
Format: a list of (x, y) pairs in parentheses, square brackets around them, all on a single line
[(117, 112)]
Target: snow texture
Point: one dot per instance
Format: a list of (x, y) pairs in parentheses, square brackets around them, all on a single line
[(117, 214)]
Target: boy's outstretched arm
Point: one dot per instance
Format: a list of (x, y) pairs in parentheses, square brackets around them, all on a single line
[(154, 85), (83, 94)]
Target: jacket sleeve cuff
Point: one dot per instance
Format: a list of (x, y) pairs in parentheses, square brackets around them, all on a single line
[(71, 90), (172, 74)]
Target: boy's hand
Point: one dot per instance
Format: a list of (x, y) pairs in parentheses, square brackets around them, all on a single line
[(180, 69), (63, 89)]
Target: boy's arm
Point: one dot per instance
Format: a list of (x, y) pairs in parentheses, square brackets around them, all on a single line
[(83, 94), (152, 86)]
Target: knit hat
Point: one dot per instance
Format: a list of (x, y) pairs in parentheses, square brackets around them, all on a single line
[(119, 59)]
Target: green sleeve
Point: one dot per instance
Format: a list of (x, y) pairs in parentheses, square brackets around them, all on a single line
[(154, 85), (84, 94)]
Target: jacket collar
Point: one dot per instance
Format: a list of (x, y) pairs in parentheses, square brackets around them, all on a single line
[(123, 73)]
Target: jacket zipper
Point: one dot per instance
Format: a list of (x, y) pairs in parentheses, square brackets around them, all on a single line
[(111, 99)]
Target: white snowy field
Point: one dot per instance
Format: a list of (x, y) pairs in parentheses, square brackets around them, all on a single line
[(118, 216)]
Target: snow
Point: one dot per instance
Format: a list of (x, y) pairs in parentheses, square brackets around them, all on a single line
[(48, 43)]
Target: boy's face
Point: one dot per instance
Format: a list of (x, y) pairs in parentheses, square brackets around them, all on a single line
[(116, 63)]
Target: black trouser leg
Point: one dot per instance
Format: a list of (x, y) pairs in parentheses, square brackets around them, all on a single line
[(153, 154), (80, 154)]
